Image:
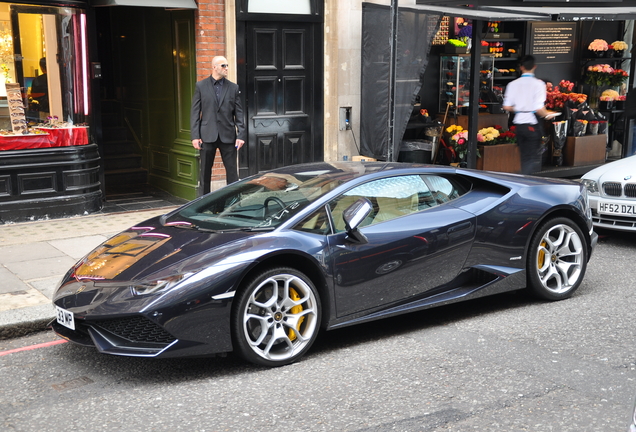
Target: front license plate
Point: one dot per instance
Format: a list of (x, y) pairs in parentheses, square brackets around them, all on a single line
[(617, 209), (65, 317)]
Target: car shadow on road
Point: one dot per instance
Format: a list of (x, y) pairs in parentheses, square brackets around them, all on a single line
[(133, 372)]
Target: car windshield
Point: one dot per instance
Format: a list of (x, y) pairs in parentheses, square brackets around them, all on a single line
[(254, 204)]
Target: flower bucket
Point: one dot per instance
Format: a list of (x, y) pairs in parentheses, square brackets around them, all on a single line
[(592, 128)]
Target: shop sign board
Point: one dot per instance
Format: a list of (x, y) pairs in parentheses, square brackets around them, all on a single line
[(552, 42)]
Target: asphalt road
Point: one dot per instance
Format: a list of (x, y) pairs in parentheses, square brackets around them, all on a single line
[(504, 363)]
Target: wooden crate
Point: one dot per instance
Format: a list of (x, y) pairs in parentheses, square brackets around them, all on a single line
[(585, 150), (500, 157)]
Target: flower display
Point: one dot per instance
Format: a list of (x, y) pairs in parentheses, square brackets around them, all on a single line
[(453, 129), (458, 140), (487, 135), (598, 45), (566, 86), (557, 96), (507, 137), (456, 42), (466, 32), (609, 95), (619, 45), (617, 77), (599, 74)]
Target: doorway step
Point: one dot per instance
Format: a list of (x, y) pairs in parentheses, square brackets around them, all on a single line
[(122, 154)]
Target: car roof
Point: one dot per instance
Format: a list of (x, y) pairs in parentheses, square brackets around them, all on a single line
[(351, 170)]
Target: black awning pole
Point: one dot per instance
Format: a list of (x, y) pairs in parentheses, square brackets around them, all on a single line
[(475, 83), (390, 153)]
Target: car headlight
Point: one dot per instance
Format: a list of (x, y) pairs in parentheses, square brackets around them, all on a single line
[(158, 285), (590, 185)]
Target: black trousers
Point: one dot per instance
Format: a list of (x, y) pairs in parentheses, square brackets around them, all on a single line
[(529, 142), (228, 155)]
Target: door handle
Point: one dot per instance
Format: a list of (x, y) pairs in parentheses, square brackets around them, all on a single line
[(459, 227)]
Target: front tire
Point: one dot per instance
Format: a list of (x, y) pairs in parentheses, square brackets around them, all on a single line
[(276, 318), (557, 259)]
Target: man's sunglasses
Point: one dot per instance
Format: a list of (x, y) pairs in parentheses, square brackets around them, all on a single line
[(224, 65)]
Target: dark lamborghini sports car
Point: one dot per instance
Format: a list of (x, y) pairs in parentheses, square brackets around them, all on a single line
[(260, 266)]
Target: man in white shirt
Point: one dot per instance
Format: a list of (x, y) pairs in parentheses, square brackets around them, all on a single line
[(525, 97)]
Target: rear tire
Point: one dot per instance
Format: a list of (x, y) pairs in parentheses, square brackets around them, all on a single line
[(276, 317), (557, 259)]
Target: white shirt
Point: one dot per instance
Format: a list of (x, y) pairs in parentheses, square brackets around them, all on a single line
[(526, 94)]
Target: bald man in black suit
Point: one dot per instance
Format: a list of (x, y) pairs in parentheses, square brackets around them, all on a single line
[(216, 121)]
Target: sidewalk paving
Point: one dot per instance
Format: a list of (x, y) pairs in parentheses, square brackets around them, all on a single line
[(35, 255)]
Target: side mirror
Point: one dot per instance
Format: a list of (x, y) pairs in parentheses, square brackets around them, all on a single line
[(353, 217)]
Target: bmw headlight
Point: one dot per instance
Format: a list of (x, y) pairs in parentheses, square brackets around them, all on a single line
[(164, 284), (590, 185)]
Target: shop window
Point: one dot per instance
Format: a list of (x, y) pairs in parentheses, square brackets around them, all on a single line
[(297, 7), (44, 51)]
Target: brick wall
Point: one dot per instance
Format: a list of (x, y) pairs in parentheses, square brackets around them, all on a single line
[(210, 41)]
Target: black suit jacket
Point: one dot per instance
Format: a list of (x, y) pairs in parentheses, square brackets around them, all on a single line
[(210, 119)]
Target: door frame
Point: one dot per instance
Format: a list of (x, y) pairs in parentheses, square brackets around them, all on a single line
[(248, 160)]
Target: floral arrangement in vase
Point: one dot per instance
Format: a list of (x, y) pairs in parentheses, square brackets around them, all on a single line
[(598, 47), (599, 75)]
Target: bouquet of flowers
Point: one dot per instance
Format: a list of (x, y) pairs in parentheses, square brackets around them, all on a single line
[(619, 46), (558, 96), (599, 74), (459, 142), (598, 45), (508, 137), (617, 77), (592, 127), (488, 135), (579, 127), (559, 137), (609, 95)]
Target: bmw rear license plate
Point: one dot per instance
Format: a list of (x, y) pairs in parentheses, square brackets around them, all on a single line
[(617, 208), (65, 317)]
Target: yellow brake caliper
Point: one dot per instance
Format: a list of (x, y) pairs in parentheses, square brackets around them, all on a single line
[(541, 257), (295, 310)]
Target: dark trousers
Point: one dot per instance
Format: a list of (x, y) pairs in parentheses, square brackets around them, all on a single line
[(228, 155), (529, 142)]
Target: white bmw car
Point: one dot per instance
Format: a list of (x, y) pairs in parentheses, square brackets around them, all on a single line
[(612, 194)]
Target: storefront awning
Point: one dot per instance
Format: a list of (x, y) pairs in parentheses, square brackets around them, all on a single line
[(485, 12), (565, 13), (170, 4), (492, 14)]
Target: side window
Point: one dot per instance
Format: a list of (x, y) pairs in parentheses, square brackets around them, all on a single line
[(442, 189), (316, 223), (391, 197)]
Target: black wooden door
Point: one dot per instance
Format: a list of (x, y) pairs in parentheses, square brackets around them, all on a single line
[(283, 120)]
